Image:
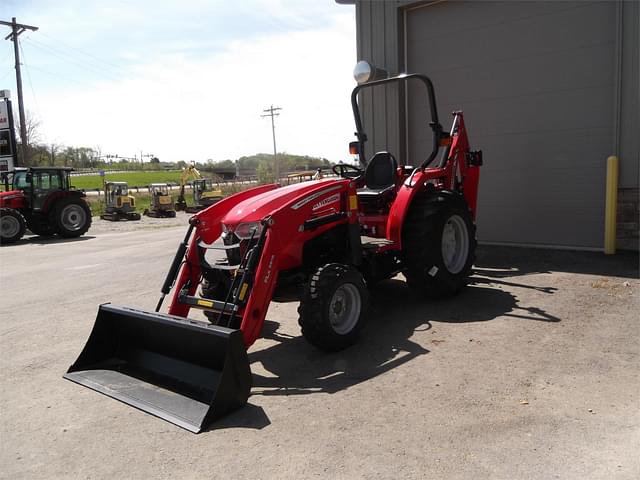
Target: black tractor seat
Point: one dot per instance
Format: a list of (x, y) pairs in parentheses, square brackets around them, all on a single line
[(379, 178)]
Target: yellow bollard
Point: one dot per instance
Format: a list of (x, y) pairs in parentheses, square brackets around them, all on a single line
[(611, 206)]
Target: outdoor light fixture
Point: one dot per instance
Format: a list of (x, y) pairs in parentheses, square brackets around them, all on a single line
[(365, 72)]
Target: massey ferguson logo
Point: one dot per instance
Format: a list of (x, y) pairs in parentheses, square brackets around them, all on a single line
[(327, 201)]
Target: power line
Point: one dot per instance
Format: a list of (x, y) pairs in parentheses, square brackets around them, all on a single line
[(66, 53), (35, 99), (71, 60), (82, 52), (82, 84), (6, 57)]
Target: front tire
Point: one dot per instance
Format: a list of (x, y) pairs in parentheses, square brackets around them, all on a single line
[(72, 217), (12, 226), (438, 244), (334, 307)]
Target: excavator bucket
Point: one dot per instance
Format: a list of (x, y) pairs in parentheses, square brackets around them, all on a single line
[(187, 372)]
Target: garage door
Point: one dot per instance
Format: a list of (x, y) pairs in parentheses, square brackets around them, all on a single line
[(536, 83)]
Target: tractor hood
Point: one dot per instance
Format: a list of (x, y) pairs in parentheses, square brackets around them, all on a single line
[(7, 198), (256, 208), (11, 194)]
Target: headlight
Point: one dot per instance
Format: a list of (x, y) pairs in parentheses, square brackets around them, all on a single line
[(245, 231)]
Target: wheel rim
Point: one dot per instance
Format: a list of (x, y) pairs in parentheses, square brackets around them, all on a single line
[(344, 308), (10, 226), (73, 217), (455, 244)]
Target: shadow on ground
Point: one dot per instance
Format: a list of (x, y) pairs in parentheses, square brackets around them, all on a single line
[(500, 261), (292, 366), (39, 240), (297, 368), (249, 416)]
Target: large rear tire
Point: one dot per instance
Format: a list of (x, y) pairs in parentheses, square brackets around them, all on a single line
[(12, 226), (334, 307), (72, 217), (439, 244)]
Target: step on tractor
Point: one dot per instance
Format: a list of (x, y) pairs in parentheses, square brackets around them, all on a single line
[(161, 205), (119, 205), (42, 200), (323, 243)]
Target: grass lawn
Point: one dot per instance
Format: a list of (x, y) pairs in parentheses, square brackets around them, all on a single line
[(140, 179), (143, 199)]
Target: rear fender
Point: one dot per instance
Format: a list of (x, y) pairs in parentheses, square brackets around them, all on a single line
[(51, 200), (436, 178), (407, 192), (457, 174)]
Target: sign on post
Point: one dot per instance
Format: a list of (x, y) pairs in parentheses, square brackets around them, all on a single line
[(8, 149)]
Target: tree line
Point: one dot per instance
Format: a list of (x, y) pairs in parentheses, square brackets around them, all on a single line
[(39, 153)]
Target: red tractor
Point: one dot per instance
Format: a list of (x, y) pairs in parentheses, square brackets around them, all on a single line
[(322, 243), (42, 200)]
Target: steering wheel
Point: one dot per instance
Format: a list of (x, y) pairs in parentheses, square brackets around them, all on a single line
[(345, 170)]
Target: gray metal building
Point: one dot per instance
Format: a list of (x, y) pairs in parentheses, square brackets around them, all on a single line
[(549, 91)]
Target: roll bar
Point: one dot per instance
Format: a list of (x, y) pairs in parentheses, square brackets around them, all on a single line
[(403, 77)]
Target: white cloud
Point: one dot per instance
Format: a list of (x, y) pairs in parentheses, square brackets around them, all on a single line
[(195, 107)]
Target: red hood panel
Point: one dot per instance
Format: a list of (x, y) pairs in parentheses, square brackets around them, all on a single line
[(10, 193), (256, 208), (12, 199)]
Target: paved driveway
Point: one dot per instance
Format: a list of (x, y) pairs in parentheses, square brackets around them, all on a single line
[(532, 372)]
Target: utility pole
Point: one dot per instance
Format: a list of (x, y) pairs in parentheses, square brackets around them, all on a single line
[(17, 29), (52, 156), (272, 114)]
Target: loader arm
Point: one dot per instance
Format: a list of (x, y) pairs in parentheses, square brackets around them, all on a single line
[(285, 230), (286, 224), (208, 227)]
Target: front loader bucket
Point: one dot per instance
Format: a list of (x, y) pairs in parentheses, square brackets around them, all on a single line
[(186, 372)]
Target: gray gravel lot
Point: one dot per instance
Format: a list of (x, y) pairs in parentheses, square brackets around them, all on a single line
[(532, 372)]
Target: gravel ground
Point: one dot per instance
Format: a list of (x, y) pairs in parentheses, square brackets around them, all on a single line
[(532, 372), (99, 226)]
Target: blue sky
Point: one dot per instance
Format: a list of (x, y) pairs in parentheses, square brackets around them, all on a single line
[(187, 80)]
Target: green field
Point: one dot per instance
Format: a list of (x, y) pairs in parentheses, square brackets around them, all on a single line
[(140, 179)]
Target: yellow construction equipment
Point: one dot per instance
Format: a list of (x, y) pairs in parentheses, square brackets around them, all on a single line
[(119, 205), (203, 193)]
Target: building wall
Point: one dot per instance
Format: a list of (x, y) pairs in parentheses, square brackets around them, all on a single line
[(629, 121), (381, 39)]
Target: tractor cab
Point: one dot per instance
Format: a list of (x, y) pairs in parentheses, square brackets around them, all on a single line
[(159, 189), (204, 194), (161, 204), (117, 194), (119, 205), (37, 184)]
